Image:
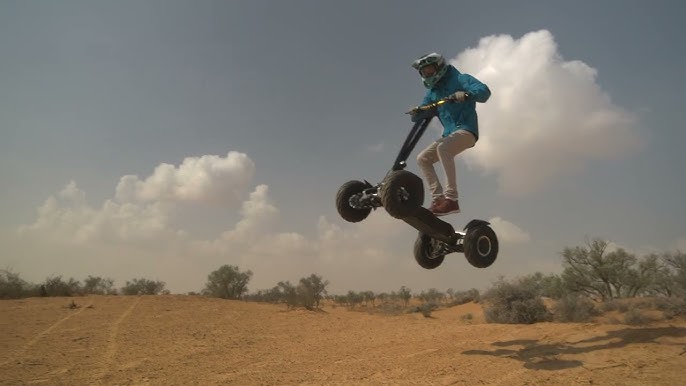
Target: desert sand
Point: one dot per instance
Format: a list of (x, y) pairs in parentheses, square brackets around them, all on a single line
[(190, 340)]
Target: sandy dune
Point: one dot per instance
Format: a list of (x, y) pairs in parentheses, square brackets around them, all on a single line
[(182, 340)]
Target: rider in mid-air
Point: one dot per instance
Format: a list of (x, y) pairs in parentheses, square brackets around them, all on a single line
[(460, 125)]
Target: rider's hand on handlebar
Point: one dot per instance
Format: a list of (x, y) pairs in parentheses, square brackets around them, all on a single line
[(417, 114), (414, 114), (459, 96)]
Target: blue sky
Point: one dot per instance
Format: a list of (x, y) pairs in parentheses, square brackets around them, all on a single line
[(236, 122)]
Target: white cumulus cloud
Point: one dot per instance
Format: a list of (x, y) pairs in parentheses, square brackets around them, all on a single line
[(509, 232), (547, 117), (209, 179), (680, 244), (258, 218), (68, 218), (141, 209)]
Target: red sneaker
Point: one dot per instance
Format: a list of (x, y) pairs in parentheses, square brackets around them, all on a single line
[(446, 206), (436, 203)]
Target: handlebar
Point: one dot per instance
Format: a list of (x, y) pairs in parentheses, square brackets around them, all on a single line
[(433, 105)]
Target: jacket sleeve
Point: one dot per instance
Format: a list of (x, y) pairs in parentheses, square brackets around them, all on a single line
[(477, 91), (427, 99)]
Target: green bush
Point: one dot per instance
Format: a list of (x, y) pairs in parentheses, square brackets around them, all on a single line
[(13, 287), (55, 286), (574, 308), (389, 308), (143, 287), (96, 285), (672, 307), (425, 309), (227, 282), (635, 317), (459, 298), (621, 305), (311, 291), (514, 303), (607, 306)]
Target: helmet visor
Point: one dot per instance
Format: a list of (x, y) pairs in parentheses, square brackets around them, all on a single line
[(428, 70)]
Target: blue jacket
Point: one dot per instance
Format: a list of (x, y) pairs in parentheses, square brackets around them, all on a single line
[(456, 116)]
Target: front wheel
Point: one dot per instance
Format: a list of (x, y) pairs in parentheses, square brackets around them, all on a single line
[(344, 205), (402, 193), (426, 252), (480, 246)]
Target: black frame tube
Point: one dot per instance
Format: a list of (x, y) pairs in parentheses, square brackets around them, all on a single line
[(410, 142)]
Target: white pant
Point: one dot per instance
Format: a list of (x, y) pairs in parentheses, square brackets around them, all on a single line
[(444, 149)]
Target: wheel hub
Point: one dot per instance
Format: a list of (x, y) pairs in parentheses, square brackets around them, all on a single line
[(354, 201), (403, 194), (483, 246)]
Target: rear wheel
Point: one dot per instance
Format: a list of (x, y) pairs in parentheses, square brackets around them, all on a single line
[(426, 252), (480, 246), (345, 199), (402, 193)]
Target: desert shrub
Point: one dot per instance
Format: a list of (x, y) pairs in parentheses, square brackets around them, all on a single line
[(459, 298), (610, 305), (306, 297), (635, 317), (308, 293), (431, 296), (574, 308), (14, 287), (677, 263), (404, 294), (549, 285), (369, 298), (283, 292), (227, 282), (340, 300), (311, 290), (354, 299), (662, 303), (672, 307), (96, 285), (289, 294), (598, 272), (514, 303), (467, 317), (621, 305), (389, 308), (143, 287), (425, 309), (55, 286), (644, 303)]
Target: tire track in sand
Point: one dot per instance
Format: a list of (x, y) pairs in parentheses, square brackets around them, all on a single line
[(112, 345), (40, 336)]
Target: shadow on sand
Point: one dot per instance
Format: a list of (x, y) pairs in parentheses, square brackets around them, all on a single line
[(545, 356)]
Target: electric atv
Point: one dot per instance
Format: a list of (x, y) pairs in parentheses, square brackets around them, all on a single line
[(401, 193)]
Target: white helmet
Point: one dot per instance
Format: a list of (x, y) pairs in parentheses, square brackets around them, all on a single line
[(434, 61)]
